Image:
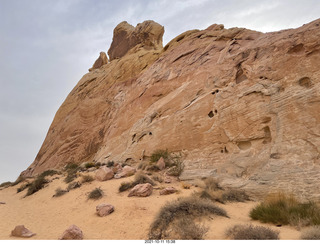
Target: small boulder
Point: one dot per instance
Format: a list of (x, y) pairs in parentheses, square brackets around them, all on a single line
[(104, 209), (21, 231), (141, 190), (168, 190), (117, 168), (161, 164), (72, 233), (104, 173), (125, 172)]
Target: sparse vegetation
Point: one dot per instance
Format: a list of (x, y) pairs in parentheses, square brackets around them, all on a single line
[(186, 229), (6, 184), (18, 180), (184, 207), (312, 233), (156, 155), (73, 185), (36, 185), (110, 164), (97, 193), (23, 187), (86, 178), (139, 178), (72, 170), (60, 192), (249, 232), (176, 168), (89, 165), (281, 209), (49, 172)]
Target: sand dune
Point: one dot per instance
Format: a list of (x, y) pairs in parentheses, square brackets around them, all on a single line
[(49, 216)]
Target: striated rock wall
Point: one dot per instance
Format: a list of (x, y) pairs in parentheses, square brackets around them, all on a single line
[(239, 105)]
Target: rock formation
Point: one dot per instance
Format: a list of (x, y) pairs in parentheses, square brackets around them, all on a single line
[(239, 105), (102, 60)]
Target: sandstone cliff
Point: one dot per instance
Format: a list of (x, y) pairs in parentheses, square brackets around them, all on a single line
[(239, 105)]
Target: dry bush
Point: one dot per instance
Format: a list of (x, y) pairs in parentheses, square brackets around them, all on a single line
[(212, 184), (49, 172), (139, 178), (97, 193), (286, 210), (156, 155), (86, 178), (157, 178), (89, 165), (72, 170), (6, 184), (36, 185), (249, 232), (312, 233), (234, 195), (184, 207), (60, 192), (186, 229)]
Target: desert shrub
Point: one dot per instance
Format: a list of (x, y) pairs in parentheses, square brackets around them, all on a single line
[(157, 178), (249, 232), (186, 229), (6, 184), (86, 178), (95, 194), (71, 166), (18, 180), (110, 164), (234, 195), (36, 185), (72, 170), (281, 209), (73, 185), (312, 233), (60, 192), (156, 155), (89, 165), (176, 168), (49, 172), (189, 206), (23, 187), (139, 178), (212, 184)]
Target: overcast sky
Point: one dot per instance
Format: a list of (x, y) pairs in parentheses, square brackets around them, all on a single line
[(46, 46)]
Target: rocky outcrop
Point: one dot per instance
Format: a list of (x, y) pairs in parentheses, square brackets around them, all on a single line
[(102, 60), (72, 233), (21, 231), (147, 34), (238, 105), (104, 173)]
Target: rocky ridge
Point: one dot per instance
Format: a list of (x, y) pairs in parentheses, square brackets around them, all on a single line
[(236, 104)]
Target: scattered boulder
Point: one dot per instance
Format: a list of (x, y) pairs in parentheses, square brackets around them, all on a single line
[(104, 209), (74, 185), (72, 233), (102, 60), (141, 190), (117, 168), (21, 231), (104, 173), (168, 191), (161, 164), (125, 172)]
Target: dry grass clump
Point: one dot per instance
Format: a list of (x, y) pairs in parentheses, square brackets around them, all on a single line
[(249, 232), (72, 170), (214, 192), (171, 212), (60, 192), (312, 233), (185, 228), (36, 185), (95, 194), (49, 172), (6, 184), (89, 165), (86, 178), (23, 187), (281, 209), (139, 178), (156, 155)]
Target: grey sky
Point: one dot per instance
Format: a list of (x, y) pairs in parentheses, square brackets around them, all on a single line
[(46, 46)]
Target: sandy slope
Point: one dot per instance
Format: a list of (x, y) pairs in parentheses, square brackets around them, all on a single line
[(49, 217)]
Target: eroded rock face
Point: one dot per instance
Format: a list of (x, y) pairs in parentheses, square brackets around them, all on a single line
[(102, 60), (239, 105), (147, 34)]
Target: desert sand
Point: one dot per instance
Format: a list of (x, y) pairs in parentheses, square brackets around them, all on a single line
[(49, 216)]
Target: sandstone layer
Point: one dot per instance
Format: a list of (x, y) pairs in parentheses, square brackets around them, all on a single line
[(236, 104)]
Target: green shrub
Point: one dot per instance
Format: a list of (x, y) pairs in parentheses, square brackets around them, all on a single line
[(49, 172), (97, 193), (125, 186), (176, 168), (189, 206), (89, 165), (139, 178), (24, 186), (110, 164), (18, 180), (156, 155), (312, 233), (71, 166), (249, 232), (36, 185), (286, 210)]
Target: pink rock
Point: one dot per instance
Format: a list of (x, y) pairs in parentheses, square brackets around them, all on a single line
[(161, 164), (125, 172), (104, 209), (72, 233), (141, 190), (168, 190), (21, 231), (104, 173)]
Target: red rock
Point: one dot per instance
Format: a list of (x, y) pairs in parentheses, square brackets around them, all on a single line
[(104, 209), (21, 231), (72, 233), (161, 164), (125, 172), (141, 190), (168, 190), (102, 60), (104, 173)]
